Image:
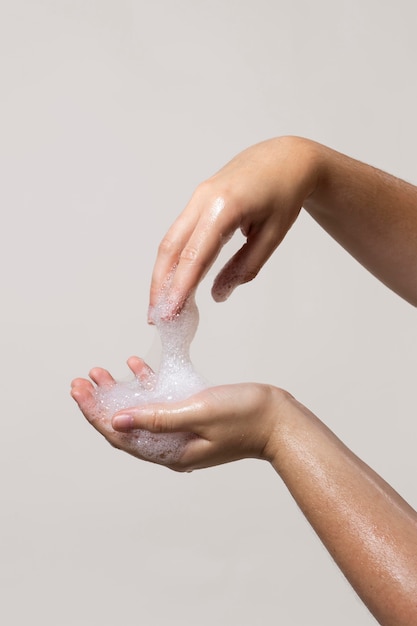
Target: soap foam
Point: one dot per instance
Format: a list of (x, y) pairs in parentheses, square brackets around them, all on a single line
[(175, 380)]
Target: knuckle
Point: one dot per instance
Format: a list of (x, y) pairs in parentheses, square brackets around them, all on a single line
[(157, 422), (189, 254), (167, 247), (203, 189), (221, 193)]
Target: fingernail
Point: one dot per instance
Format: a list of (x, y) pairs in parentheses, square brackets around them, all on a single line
[(123, 421)]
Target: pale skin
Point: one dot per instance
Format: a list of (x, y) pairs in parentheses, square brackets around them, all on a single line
[(369, 530)]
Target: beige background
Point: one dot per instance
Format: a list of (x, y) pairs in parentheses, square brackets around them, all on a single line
[(112, 111)]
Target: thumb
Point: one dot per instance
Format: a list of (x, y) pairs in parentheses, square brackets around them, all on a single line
[(157, 418)]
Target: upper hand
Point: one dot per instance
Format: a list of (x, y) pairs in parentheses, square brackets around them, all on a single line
[(259, 192)]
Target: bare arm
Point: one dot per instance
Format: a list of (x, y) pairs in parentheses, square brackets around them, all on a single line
[(371, 214), (261, 191), (369, 530)]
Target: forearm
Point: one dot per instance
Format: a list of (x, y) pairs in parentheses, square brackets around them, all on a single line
[(370, 531), (371, 214)]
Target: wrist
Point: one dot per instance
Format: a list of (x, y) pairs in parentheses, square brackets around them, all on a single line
[(280, 412), (309, 164)]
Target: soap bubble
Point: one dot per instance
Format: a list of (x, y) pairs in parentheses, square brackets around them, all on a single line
[(175, 380)]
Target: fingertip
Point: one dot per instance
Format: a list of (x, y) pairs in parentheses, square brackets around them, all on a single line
[(77, 382), (101, 376), (169, 306), (79, 388), (218, 297), (123, 422), (135, 364), (220, 291), (97, 373), (75, 394)]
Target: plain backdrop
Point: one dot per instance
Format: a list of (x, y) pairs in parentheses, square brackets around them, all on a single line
[(112, 111)]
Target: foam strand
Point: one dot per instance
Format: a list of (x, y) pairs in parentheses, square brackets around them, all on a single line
[(176, 380)]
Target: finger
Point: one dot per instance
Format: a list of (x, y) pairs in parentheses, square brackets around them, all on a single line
[(140, 369), (213, 230), (245, 265), (101, 377), (82, 391), (162, 417), (170, 249)]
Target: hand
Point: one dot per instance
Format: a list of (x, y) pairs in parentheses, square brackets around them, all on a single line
[(260, 192), (232, 422), (85, 393)]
